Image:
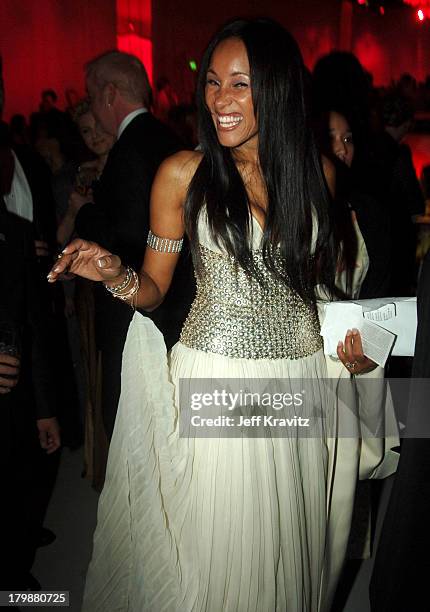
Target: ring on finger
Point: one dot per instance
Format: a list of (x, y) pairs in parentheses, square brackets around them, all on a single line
[(351, 365)]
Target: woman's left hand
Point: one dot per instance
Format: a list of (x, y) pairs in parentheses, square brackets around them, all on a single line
[(351, 354)]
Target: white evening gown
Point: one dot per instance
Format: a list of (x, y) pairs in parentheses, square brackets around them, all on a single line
[(216, 524)]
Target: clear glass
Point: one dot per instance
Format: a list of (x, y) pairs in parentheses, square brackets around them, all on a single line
[(10, 339)]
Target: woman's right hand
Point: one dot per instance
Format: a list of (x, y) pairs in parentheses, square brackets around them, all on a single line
[(89, 260)]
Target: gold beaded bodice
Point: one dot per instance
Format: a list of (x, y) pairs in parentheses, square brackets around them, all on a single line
[(235, 316)]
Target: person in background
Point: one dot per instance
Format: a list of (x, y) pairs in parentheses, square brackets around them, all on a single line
[(404, 196), (61, 157), (165, 99), (407, 88), (72, 99), (99, 143), (400, 579), (340, 84), (362, 269), (118, 218), (354, 264), (28, 400), (26, 306), (31, 197), (48, 103), (183, 121), (19, 130), (366, 265)]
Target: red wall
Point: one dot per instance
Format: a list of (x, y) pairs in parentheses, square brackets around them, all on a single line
[(392, 44), (181, 30), (134, 26), (44, 43), (387, 45)]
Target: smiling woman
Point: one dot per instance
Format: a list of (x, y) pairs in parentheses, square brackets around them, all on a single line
[(259, 154), (229, 96), (209, 522)]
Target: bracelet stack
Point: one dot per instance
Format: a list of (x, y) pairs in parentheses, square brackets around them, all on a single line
[(127, 290)]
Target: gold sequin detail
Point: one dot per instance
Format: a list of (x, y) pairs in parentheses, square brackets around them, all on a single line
[(233, 315)]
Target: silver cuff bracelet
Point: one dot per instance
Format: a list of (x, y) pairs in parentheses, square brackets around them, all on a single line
[(164, 245)]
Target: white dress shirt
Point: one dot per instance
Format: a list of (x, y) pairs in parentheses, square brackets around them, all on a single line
[(19, 200), (129, 118)]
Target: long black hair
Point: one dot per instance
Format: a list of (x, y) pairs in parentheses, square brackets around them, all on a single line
[(343, 226), (289, 161)]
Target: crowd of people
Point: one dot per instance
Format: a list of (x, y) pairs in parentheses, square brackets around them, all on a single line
[(218, 223)]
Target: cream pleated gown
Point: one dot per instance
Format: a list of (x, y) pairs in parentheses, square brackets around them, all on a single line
[(216, 524)]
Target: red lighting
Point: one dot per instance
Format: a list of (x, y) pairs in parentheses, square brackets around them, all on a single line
[(361, 1), (381, 10), (420, 15)]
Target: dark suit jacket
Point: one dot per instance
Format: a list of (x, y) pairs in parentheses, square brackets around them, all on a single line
[(375, 227), (119, 221), (24, 302), (39, 179), (25, 472), (374, 224), (400, 581), (403, 198)]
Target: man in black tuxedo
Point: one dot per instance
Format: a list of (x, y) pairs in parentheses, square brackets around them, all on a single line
[(27, 391), (118, 219), (27, 400)]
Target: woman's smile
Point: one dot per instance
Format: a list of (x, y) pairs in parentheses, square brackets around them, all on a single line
[(228, 96)]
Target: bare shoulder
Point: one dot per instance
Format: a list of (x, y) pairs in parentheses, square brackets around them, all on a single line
[(173, 178), (180, 168)]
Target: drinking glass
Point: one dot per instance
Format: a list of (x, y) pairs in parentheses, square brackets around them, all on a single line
[(10, 342), (85, 178)]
